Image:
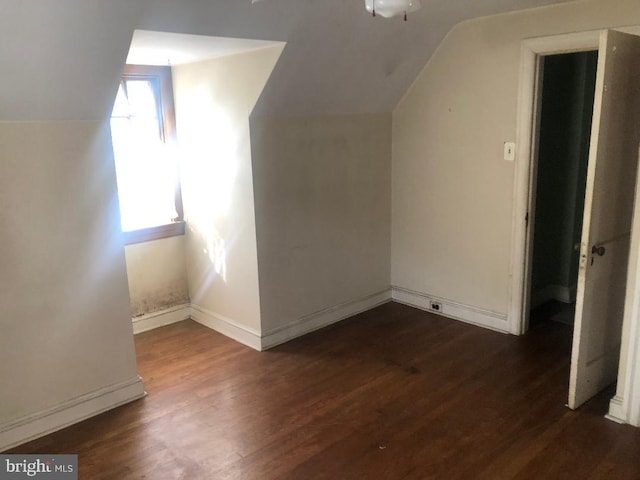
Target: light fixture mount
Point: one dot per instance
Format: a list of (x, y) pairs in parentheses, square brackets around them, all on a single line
[(391, 8)]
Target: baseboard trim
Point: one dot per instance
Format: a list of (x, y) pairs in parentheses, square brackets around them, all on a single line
[(227, 327), (616, 410), (70, 412), (253, 339), (161, 318), (323, 318), (560, 293), (454, 310)]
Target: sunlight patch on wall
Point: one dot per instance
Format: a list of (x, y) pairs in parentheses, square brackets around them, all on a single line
[(216, 251), (209, 153), (208, 148)]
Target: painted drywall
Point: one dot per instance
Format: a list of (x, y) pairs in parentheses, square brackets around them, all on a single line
[(157, 275), (565, 130), (452, 190), (64, 306), (322, 190), (338, 59), (61, 60), (213, 101)]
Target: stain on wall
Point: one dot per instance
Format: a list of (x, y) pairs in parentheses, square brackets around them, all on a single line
[(157, 275)]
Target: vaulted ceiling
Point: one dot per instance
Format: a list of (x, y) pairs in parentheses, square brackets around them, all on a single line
[(60, 59)]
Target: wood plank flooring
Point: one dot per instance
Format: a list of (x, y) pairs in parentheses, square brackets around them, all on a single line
[(394, 393)]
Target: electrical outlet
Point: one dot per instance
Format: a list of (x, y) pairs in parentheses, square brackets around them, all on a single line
[(435, 306)]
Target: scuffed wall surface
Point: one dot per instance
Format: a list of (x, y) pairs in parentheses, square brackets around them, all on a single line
[(323, 200), (157, 275)]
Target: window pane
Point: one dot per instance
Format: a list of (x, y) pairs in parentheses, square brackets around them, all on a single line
[(121, 106), (145, 166), (142, 100)]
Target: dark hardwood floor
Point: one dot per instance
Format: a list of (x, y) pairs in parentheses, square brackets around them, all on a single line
[(394, 393)]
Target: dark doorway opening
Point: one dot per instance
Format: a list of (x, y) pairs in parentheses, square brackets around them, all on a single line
[(565, 116)]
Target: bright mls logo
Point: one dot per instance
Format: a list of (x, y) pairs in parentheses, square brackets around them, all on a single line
[(52, 467)]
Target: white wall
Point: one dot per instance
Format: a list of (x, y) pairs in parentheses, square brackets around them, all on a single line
[(213, 101), (66, 327), (66, 348), (452, 191), (322, 189), (157, 275)]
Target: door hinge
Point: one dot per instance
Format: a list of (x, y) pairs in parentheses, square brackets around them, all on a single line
[(526, 220)]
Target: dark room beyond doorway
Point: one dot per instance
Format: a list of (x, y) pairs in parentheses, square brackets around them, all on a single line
[(566, 110)]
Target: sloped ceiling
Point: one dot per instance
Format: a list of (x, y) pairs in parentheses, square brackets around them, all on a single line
[(60, 59), (163, 48)]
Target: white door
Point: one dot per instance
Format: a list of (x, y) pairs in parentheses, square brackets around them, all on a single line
[(611, 175)]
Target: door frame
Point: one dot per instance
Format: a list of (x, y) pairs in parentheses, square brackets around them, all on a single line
[(625, 406)]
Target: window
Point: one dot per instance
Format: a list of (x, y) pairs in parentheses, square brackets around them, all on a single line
[(143, 135)]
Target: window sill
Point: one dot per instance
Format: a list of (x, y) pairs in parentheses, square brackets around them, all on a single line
[(154, 233)]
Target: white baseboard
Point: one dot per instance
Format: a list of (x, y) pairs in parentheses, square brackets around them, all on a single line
[(227, 327), (450, 309), (170, 315), (67, 413), (561, 293), (253, 338), (616, 411), (323, 318)]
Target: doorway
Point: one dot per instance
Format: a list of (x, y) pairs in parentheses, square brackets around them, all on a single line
[(558, 184), (598, 344), (606, 311)]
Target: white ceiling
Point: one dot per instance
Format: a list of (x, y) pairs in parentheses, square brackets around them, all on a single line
[(61, 60), (161, 48)]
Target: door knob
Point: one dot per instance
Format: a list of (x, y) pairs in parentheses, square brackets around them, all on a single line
[(595, 250)]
